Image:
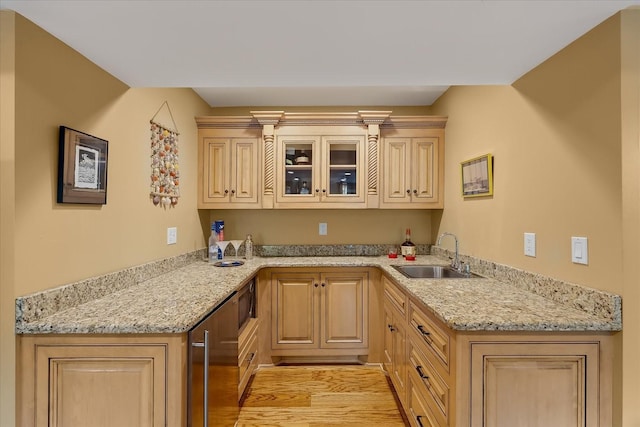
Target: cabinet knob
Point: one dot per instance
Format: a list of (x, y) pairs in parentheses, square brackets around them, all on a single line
[(408, 191), (226, 191), (317, 190), (415, 191), (324, 190), (323, 285), (233, 191), (316, 285)]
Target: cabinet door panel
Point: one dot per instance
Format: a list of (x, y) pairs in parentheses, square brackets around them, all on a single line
[(295, 309), (535, 384), (424, 168), (85, 384), (217, 169), (343, 169), (344, 313), (396, 179), (244, 171)]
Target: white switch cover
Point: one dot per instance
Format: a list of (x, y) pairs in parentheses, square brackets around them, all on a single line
[(530, 244), (579, 250), (172, 235), (322, 228)]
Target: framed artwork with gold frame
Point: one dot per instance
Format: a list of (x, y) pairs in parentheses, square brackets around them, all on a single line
[(477, 176)]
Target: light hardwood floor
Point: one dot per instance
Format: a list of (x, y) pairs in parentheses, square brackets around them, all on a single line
[(314, 396)]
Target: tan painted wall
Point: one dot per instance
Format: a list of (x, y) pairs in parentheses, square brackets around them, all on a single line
[(300, 227), (630, 90), (7, 219), (52, 244), (559, 152), (555, 136)]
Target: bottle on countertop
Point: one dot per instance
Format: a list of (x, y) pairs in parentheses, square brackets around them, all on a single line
[(408, 247), (213, 245), (248, 247)]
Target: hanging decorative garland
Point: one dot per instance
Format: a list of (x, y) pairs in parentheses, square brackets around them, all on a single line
[(165, 170)]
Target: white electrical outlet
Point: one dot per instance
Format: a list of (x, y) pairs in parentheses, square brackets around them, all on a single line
[(322, 229), (530, 244), (579, 250), (172, 235)]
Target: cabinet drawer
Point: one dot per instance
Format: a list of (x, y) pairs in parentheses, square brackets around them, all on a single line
[(435, 390), (435, 340), (396, 296), (247, 362), (419, 413)]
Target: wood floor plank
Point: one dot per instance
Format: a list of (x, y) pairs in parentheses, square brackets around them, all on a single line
[(319, 396)]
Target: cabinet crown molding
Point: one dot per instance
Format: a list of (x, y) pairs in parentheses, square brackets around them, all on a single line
[(258, 119)]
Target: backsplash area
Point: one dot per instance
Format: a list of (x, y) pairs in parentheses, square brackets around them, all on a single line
[(330, 250)]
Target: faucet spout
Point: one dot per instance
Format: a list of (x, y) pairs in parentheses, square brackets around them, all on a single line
[(455, 263)]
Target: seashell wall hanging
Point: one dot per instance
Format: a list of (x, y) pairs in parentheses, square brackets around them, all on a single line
[(165, 169)]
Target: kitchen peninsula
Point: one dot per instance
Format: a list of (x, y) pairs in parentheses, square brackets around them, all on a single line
[(461, 332)]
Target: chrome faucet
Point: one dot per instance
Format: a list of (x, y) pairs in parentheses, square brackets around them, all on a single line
[(455, 263)]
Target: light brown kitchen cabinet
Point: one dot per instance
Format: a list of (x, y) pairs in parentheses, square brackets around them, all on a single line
[(229, 170), (318, 314), (395, 337), (316, 171), (248, 347), (468, 378), (539, 382), (412, 172), (101, 381)]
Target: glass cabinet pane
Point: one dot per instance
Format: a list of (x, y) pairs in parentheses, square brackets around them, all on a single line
[(343, 160), (298, 168)]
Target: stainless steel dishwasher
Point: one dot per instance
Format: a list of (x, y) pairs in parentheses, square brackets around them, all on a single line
[(213, 368)]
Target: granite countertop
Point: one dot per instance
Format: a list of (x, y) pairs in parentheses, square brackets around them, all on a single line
[(175, 301)]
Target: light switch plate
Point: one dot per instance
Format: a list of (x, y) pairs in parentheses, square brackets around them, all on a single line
[(172, 235), (322, 229), (579, 250), (530, 244)]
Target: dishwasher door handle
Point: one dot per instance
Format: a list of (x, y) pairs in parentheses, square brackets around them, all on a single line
[(205, 406)]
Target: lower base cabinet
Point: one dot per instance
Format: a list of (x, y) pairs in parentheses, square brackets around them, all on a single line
[(549, 380), (101, 381), (495, 379)]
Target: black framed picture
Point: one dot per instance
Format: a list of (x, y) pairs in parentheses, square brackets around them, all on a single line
[(82, 168)]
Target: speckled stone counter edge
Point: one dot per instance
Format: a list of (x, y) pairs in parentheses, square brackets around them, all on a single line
[(594, 301), (36, 306)]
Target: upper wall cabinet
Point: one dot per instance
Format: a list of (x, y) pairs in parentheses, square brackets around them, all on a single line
[(411, 172), (229, 172), (325, 170), (362, 160)]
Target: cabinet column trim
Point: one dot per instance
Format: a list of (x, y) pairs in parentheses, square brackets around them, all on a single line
[(268, 120)]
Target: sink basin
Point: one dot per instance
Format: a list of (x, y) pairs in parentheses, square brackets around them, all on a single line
[(432, 272)]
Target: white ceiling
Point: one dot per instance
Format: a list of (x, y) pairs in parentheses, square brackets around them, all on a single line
[(317, 52)]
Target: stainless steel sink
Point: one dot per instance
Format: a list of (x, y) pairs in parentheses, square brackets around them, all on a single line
[(432, 272)]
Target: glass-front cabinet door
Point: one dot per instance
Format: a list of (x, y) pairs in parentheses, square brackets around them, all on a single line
[(297, 168), (343, 177), (320, 169)]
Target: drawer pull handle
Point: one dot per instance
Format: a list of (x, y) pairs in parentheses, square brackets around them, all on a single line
[(421, 373), (250, 357), (419, 420), (391, 328), (425, 334)]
